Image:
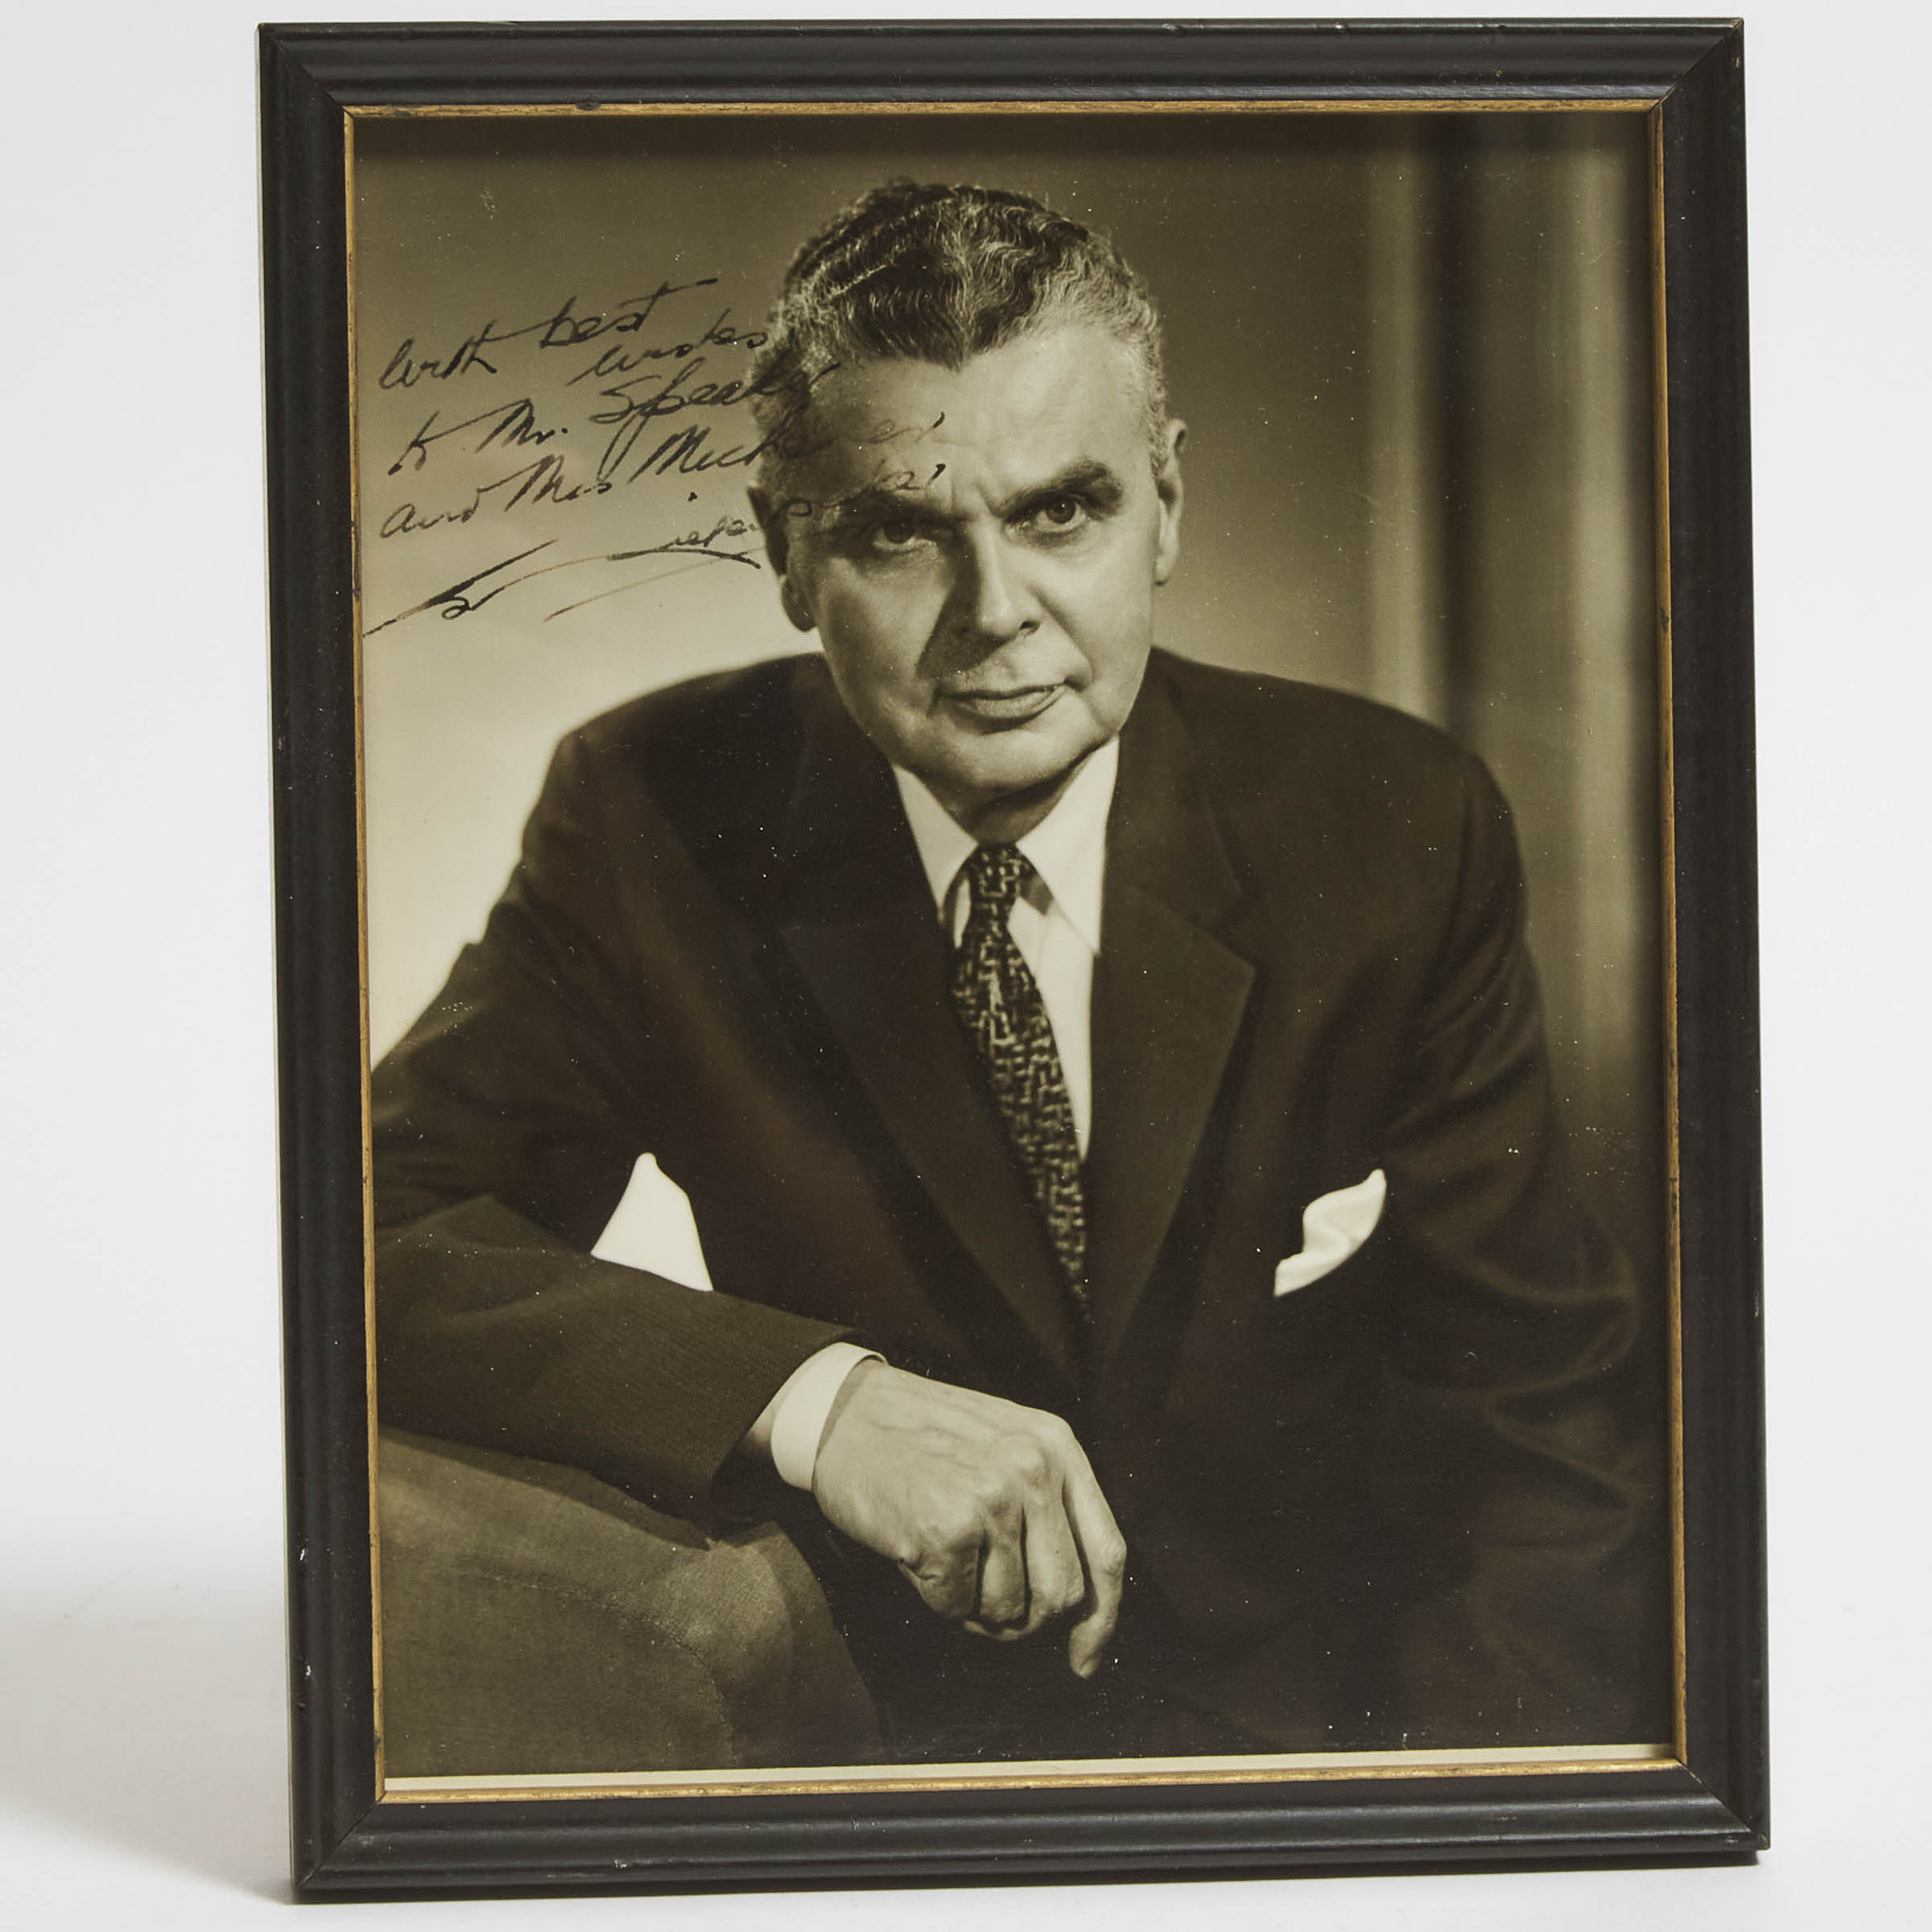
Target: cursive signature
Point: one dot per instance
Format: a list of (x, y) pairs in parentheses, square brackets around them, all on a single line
[(696, 547)]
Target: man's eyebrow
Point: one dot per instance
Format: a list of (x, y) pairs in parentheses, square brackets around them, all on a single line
[(894, 496), (903, 495), (1087, 477)]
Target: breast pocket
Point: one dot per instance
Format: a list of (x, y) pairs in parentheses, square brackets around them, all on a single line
[(1334, 1226)]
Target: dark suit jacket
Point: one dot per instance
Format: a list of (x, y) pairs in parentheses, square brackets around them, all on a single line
[(1412, 1502)]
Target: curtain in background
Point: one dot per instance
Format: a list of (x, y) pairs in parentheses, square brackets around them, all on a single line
[(1511, 566)]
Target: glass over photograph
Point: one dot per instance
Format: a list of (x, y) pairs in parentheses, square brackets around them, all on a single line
[(1014, 865)]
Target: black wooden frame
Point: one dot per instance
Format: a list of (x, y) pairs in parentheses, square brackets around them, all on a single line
[(1712, 1804)]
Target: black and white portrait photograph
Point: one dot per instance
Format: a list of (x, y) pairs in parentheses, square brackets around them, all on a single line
[(1013, 862), (963, 969)]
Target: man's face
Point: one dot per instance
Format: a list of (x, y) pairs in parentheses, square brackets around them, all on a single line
[(978, 550)]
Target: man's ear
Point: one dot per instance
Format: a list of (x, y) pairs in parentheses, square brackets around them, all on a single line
[(778, 553), (1167, 487)]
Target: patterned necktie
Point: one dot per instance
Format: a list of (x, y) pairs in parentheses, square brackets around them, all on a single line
[(1000, 1005)]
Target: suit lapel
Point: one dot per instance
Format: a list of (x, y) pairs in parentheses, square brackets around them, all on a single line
[(860, 928), (1169, 999)]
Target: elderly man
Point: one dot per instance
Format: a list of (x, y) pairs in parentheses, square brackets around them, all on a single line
[(1111, 1093)]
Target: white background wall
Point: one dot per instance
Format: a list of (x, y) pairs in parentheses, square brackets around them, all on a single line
[(141, 1743)]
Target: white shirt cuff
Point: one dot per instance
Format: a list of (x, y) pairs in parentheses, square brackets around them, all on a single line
[(794, 1419)]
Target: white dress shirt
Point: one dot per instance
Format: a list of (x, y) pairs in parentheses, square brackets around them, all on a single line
[(1055, 923)]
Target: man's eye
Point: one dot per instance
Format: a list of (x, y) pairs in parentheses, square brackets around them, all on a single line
[(1058, 514), (895, 533)]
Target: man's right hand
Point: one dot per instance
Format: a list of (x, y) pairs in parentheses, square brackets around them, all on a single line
[(990, 1509)]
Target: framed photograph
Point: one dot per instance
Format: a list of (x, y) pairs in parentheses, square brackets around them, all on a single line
[(1016, 886)]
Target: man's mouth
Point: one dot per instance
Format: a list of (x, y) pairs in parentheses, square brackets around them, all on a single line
[(1004, 707)]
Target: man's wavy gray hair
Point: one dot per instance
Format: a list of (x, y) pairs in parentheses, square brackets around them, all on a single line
[(937, 274)]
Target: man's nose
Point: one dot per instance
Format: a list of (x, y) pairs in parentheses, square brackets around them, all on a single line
[(993, 599)]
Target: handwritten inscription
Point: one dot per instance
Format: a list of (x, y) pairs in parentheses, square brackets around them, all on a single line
[(541, 418), (717, 545), (563, 329)]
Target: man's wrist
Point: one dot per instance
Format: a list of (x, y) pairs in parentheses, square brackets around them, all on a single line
[(794, 1421)]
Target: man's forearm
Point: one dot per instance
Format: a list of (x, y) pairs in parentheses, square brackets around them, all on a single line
[(491, 1330)]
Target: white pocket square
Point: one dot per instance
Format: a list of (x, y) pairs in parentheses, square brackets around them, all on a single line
[(1333, 1226)]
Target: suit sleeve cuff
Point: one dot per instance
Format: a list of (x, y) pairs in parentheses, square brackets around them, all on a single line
[(794, 1419)]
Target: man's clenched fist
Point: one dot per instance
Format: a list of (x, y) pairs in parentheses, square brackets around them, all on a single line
[(990, 1508)]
